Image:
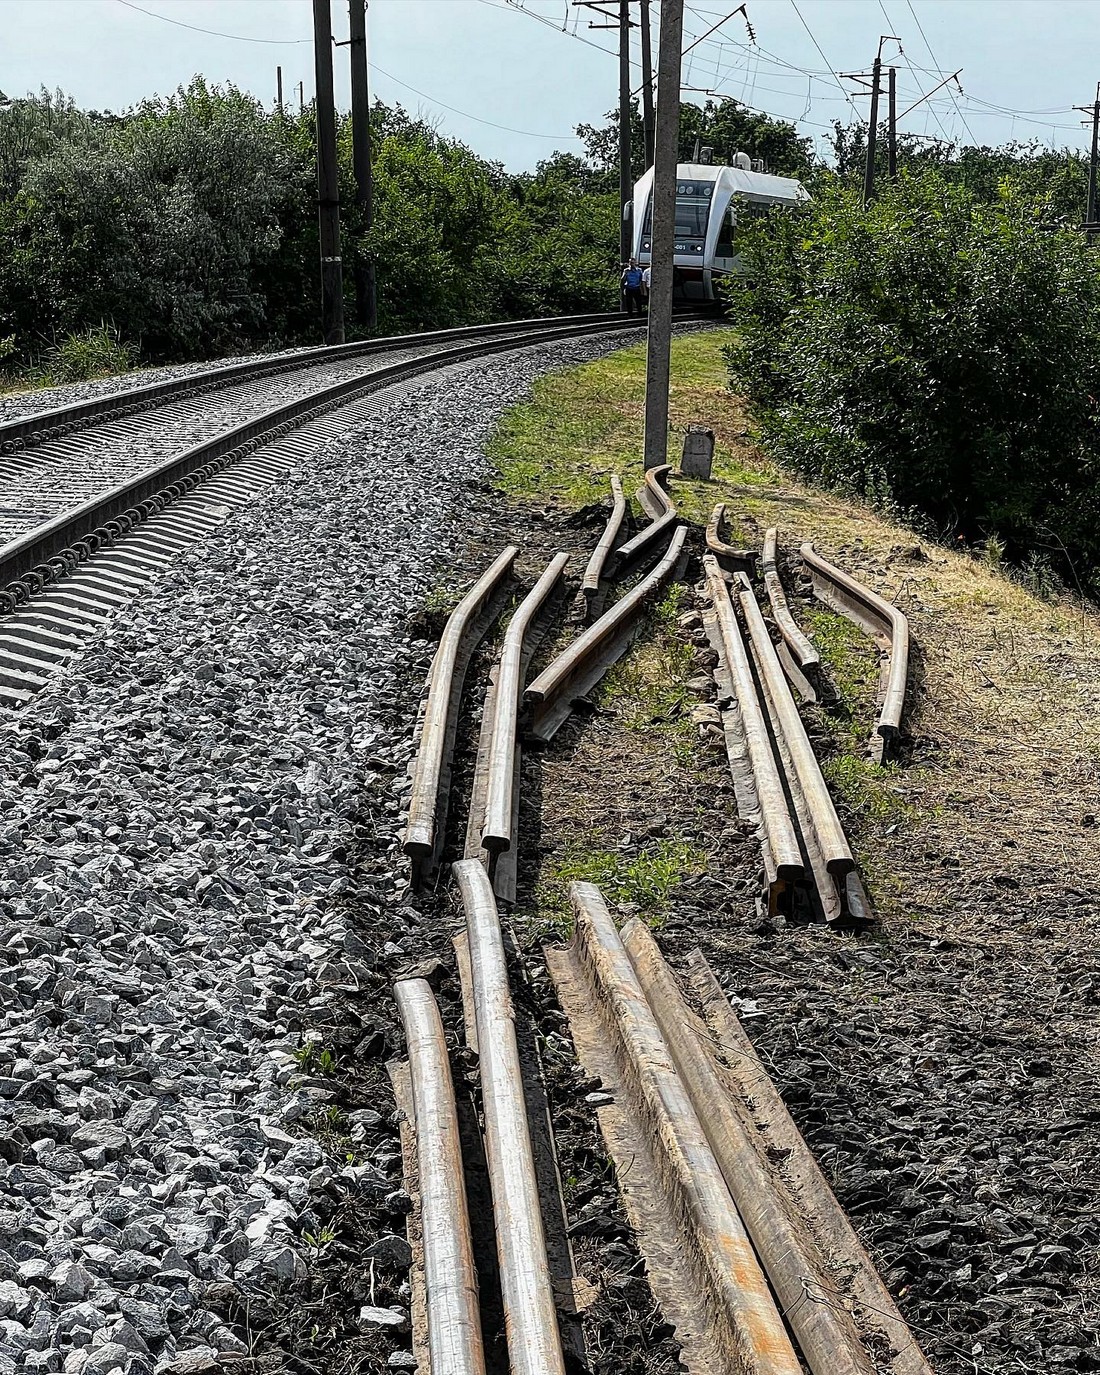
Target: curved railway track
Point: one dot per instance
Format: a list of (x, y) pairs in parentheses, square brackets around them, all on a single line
[(143, 473)]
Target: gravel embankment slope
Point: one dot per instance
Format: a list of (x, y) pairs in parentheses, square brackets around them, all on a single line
[(198, 875)]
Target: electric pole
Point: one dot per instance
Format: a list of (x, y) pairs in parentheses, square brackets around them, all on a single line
[(892, 127), (279, 88), (366, 303), (1094, 111), (647, 85), (872, 132), (328, 181), (666, 150), (874, 83)]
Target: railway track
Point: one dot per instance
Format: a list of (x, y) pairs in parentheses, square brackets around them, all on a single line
[(98, 497), (747, 1251)]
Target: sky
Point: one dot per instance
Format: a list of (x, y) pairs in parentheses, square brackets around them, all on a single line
[(512, 78)]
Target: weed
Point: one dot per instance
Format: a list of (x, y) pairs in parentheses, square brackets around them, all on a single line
[(642, 881), (94, 352), (866, 787), (317, 1241)]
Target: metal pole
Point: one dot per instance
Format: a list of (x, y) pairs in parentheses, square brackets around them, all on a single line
[(892, 127), (1090, 214), (301, 97), (625, 179), (279, 88), (328, 181), (664, 233), (366, 303), (647, 85)]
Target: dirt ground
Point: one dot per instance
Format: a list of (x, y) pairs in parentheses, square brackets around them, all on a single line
[(943, 1066)]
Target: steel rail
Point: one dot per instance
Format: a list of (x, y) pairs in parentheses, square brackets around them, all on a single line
[(450, 1275), (742, 1307), (659, 505), (809, 1187), (784, 857), (831, 839), (826, 1335), (883, 622), (581, 665), (496, 831), (45, 425), (805, 653), (53, 549), (530, 1318), (590, 583), (423, 831), (744, 560)]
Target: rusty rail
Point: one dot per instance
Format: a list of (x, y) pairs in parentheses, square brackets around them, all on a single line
[(736, 560), (496, 831), (825, 1334), (783, 858), (534, 1342), (884, 623), (805, 654), (427, 805), (659, 506), (720, 1253), (450, 1276), (580, 666), (826, 824), (590, 583)]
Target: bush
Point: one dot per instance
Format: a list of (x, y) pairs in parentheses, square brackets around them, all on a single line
[(97, 352), (932, 350)]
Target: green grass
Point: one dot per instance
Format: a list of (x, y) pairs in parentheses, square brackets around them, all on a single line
[(643, 881), (584, 423)]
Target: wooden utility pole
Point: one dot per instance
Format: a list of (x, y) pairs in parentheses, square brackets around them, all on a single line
[(872, 132), (666, 149), (1094, 111), (892, 126), (366, 303), (328, 181), (647, 84), (626, 180), (279, 88)]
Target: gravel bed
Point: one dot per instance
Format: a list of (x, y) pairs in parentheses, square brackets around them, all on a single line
[(19, 404), (202, 905), (52, 478)]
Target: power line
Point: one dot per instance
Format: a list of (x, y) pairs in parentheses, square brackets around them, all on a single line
[(824, 59), (932, 55), (215, 33), (432, 100)]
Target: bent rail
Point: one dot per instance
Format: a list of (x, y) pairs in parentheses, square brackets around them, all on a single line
[(883, 622), (534, 1342), (496, 833), (590, 583), (583, 663), (450, 1275), (658, 504), (423, 832), (805, 653), (740, 560)]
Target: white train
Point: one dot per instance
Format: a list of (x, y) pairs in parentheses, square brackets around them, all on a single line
[(709, 201)]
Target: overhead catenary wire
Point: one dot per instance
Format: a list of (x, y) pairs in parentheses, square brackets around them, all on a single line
[(215, 33)]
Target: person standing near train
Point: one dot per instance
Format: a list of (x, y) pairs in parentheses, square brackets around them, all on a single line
[(631, 285)]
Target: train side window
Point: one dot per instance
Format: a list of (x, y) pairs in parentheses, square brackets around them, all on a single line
[(724, 246)]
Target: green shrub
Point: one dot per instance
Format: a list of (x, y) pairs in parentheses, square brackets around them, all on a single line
[(97, 352), (933, 350)]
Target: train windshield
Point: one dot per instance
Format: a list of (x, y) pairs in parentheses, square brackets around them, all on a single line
[(693, 200), (693, 208)]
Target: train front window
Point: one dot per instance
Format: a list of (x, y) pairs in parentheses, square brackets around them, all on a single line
[(693, 200)]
